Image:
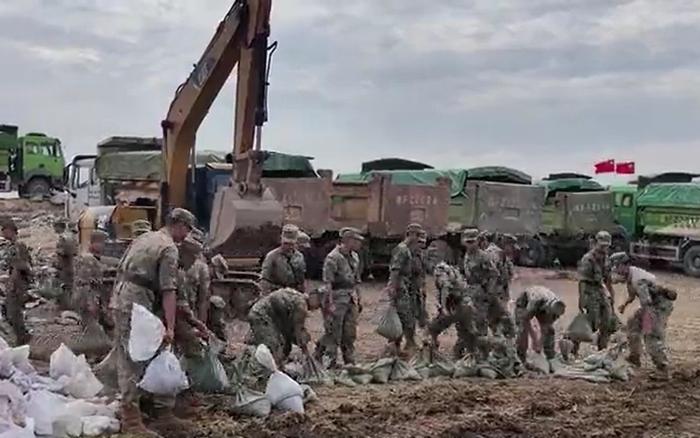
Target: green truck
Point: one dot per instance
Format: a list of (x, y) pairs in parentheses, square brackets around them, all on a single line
[(32, 163), (664, 222)]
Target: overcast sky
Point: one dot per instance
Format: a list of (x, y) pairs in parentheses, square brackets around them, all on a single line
[(541, 85)]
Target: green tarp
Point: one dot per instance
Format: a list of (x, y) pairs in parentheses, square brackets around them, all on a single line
[(685, 195), (141, 165), (298, 164), (571, 185), (429, 177)]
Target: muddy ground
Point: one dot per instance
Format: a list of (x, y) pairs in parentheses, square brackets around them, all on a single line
[(527, 407), (544, 407)]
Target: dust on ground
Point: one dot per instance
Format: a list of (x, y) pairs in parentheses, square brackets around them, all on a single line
[(528, 407)]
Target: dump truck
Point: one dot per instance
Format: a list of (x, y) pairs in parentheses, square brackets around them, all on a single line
[(32, 163), (663, 220)]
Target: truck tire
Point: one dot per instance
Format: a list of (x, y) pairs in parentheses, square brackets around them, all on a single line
[(37, 187), (691, 261), (531, 254)]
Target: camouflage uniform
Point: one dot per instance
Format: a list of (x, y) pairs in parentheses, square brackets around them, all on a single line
[(593, 274), (342, 272), (454, 307), (658, 300), (481, 276), (66, 251), (540, 303), (88, 286), (418, 265), (18, 264), (401, 272), (149, 266), (280, 270), (277, 320), (504, 268), (216, 320)]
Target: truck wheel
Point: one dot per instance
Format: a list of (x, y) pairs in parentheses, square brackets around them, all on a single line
[(37, 187), (531, 254), (691, 261)]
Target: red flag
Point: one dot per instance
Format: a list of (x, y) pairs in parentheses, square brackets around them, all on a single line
[(607, 166), (626, 168)]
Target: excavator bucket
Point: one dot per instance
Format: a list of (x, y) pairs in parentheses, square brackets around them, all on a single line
[(245, 228)]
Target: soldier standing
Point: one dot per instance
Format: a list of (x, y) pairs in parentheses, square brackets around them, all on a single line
[(481, 276), (594, 278), (284, 266), (401, 285), (505, 269), (88, 283), (649, 321), (148, 276), (544, 305), (278, 321), (418, 284), (19, 264), (454, 307), (66, 250), (342, 304)]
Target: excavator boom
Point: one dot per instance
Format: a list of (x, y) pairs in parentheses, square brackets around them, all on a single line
[(244, 209)]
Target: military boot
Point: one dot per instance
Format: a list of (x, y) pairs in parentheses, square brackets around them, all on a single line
[(166, 422), (132, 422), (661, 374)]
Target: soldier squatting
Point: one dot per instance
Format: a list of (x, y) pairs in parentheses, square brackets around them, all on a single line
[(169, 272)]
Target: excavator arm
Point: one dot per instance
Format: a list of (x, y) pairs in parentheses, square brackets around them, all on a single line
[(241, 39)]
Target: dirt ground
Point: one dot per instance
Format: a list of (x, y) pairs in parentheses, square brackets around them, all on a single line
[(529, 407)]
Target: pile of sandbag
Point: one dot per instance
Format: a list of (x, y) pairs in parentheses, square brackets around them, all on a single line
[(602, 367)]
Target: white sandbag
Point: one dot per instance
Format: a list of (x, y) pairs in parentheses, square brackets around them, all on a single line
[(3, 344), (84, 408), (164, 375), (17, 357), (537, 362), (98, 425), (294, 403), (67, 426), (8, 430), (147, 331), (43, 407), (309, 394), (13, 407), (62, 362), (280, 386), (264, 357), (83, 383), (389, 325)]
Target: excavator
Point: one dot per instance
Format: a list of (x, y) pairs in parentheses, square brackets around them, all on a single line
[(246, 218)]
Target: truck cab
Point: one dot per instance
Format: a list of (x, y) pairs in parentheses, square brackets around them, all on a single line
[(82, 185), (32, 164)]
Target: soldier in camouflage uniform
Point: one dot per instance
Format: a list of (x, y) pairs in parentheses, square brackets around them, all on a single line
[(284, 266), (278, 321), (481, 276), (453, 307), (341, 304), (17, 261), (216, 320), (192, 285), (544, 305), (88, 283), (402, 283), (504, 267), (419, 263), (66, 251), (148, 276), (594, 278), (656, 304)]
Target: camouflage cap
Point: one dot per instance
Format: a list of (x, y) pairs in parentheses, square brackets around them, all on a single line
[(620, 258), (603, 238), (191, 245), (303, 240), (290, 233), (470, 235), (351, 233), (183, 216), (198, 235), (414, 228), (220, 265)]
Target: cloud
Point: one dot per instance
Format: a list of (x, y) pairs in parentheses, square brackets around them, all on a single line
[(542, 85)]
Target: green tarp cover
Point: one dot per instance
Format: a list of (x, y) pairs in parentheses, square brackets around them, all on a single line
[(499, 174), (571, 185), (426, 177), (670, 195), (279, 162), (145, 165)]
